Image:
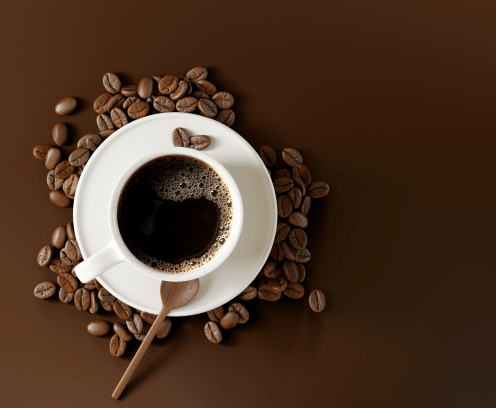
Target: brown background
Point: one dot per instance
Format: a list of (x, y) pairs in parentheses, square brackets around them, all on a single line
[(391, 102)]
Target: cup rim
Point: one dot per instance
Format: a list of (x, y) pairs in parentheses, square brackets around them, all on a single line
[(231, 241)]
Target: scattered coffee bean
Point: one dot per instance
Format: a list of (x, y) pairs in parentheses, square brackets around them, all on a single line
[(237, 307), (60, 134), (164, 104), (98, 328), (73, 251), (206, 86), (229, 320), (168, 84), (135, 324), (118, 117), (277, 254), (66, 261), (294, 291), (138, 109), (207, 108), (40, 151), (121, 309), (268, 155), (184, 78), (141, 336), (100, 104), (66, 297), (213, 332), (111, 83), (282, 173), (71, 234), (67, 282), (129, 91), (248, 294), (181, 90), (45, 256), (223, 100), (90, 141), (267, 292), (283, 184), (290, 271), (58, 267), (318, 189), (104, 122), (292, 157), (53, 182), (284, 206), (59, 198), (59, 237), (272, 269), (301, 272), (216, 314), (117, 346), (295, 195), (145, 88), (303, 255), (52, 158), (278, 284), (164, 329), (297, 219), (95, 303), (305, 205), (298, 182), (106, 133), (226, 117), (106, 296), (148, 318), (44, 290), (129, 101), (301, 171), (199, 142), (188, 104), (289, 252), (200, 95), (298, 238), (107, 305), (317, 301), (180, 138), (115, 101), (197, 73), (79, 157), (82, 299), (122, 331), (63, 170), (282, 232), (65, 106)]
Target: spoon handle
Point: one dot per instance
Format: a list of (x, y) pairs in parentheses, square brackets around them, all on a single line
[(139, 354)]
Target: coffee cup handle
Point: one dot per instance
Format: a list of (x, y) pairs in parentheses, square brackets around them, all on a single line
[(99, 263)]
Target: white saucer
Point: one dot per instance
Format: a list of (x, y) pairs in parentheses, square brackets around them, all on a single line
[(151, 133)]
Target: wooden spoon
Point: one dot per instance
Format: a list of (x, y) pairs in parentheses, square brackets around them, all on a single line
[(174, 295)]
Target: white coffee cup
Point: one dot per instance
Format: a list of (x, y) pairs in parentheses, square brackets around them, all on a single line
[(116, 250)]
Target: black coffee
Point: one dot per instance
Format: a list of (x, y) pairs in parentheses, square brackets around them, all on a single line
[(174, 213)]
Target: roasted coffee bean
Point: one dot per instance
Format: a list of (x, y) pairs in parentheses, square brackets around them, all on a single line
[(181, 91), (106, 133), (289, 252), (79, 157), (216, 314), (200, 95), (104, 122), (164, 329), (60, 134), (129, 101), (302, 172), (107, 305), (206, 86), (141, 336), (268, 155), (44, 290), (157, 79), (301, 272), (122, 331), (40, 151), (282, 173), (45, 256), (213, 332), (298, 238), (207, 108), (98, 285), (278, 283), (118, 117), (272, 269), (63, 170), (148, 317), (90, 141), (73, 251), (197, 73), (66, 297), (95, 303), (71, 234), (263, 281), (303, 255), (298, 182), (145, 88), (277, 254), (223, 100), (305, 205), (58, 267), (100, 104), (290, 271), (65, 106), (284, 206), (66, 261), (82, 299), (297, 219), (294, 291), (58, 198), (168, 84), (79, 170), (237, 307), (190, 85), (67, 282), (117, 346), (295, 195), (115, 101), (53, 182), (164, 104), (188, 104), (98, 328), (267, 292), (90, 285), (229, 320), (283, 184), (318, 189), (180, 138), (199, 142), (292, 157), (282, 232), (111, 83), (129, 91), (135, 324), (248, 294), (138, 109), (106, 296), (52, 158), (121, 309)]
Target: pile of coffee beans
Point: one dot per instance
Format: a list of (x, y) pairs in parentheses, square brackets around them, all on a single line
[(285, 270)]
